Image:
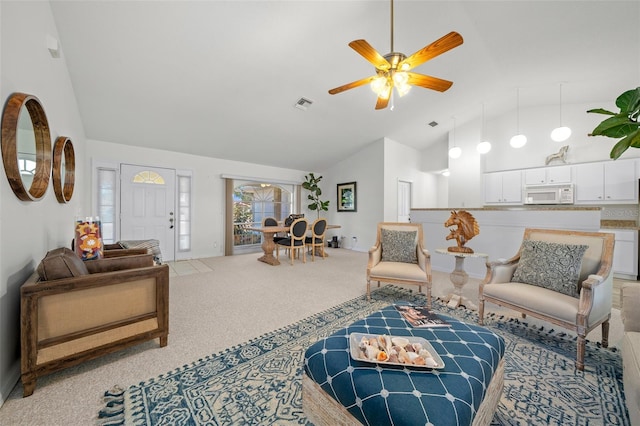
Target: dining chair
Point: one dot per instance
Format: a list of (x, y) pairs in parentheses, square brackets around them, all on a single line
[(295, 241), (271, 221), (316, 239)]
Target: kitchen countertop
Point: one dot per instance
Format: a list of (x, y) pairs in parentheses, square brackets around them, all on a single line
[(604, 224), (619, 224)]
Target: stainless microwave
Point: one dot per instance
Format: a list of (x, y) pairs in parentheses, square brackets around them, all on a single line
[(549, 194)]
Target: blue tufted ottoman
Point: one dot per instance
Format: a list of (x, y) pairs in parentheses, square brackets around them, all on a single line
[(338, 390)]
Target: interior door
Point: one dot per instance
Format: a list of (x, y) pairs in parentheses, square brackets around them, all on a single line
[(404, 201), (147, 206)]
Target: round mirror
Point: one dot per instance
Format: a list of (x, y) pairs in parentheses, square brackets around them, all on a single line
[(26, 146), (64, 169)]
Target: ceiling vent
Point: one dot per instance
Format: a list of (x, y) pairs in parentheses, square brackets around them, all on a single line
[(303, 104), (433, 124)]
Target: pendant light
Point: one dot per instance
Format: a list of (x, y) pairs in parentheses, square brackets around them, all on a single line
[(484, 146), (561, 133), (455, 151), (519, 140)]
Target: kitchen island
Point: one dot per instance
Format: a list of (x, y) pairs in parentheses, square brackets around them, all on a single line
[(501, 230)]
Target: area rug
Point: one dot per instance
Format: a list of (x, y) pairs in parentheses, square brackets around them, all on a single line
[(259, 382)]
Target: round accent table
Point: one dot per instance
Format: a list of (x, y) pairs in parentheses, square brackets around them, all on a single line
[(459, 278)]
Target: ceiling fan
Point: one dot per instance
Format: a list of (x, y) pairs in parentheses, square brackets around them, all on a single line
[(392, 69)]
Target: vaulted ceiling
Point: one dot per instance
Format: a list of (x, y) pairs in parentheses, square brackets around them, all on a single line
[(221, 78)]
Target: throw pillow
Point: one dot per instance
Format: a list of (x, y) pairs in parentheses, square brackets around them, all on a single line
[(551, 265), (398, 246), (61, 263)]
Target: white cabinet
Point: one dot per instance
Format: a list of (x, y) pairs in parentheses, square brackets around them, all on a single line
[(611, 181), (547, 175), (503, 187), (625, 252)]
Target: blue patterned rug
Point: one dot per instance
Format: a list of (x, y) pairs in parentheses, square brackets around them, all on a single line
[(259, 382)]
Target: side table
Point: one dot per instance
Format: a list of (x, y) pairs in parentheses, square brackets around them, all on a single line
[(459, 278)]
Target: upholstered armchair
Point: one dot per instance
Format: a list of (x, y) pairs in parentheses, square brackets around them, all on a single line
[(563, 277), (399, 257)]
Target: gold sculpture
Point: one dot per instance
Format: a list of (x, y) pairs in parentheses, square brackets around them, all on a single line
[(466, 229)]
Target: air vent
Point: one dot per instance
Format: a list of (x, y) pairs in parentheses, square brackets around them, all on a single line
[(433, 124), (303, 104)]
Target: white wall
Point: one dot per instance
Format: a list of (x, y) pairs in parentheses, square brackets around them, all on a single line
[(29, 229), (207, 185), (465, 186), (404, 163), (366, 169), (376, 170)]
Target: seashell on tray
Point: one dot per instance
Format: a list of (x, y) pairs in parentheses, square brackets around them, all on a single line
[(384, 349), (400, 341)]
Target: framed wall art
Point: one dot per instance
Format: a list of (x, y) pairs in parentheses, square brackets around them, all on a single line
[(347, 197)]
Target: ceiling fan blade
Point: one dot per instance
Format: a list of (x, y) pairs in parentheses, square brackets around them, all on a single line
[(438, 47), (429, 82), (382, 101), (370, 54), (351, 85)]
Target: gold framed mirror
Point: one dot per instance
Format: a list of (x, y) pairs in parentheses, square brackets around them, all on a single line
[(26, 146), (64, 169)]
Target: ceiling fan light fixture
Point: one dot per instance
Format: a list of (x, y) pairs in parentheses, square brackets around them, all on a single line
[(393, 63), (380, 85), (401, 83)]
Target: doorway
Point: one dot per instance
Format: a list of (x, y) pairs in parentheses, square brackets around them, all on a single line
[(404, 201), (147, 206)]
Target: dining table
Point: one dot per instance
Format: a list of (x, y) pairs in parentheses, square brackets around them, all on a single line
[(268, 245)]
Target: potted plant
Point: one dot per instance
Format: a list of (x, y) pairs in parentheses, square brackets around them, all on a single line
[(623, 124), (311, 184)]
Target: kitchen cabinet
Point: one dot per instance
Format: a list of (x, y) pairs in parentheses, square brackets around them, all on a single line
[(503, 187), (625, 252), (611, 181), (547, 175)]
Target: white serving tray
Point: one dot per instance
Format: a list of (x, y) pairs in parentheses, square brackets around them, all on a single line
[(356, 353)]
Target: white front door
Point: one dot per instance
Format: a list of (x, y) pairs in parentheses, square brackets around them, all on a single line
[(404, 201), (147, 206)]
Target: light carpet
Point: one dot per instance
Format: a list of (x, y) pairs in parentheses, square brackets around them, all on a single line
[(259, 382)]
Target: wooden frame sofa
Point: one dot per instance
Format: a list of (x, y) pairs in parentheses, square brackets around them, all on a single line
[(73, 311)]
